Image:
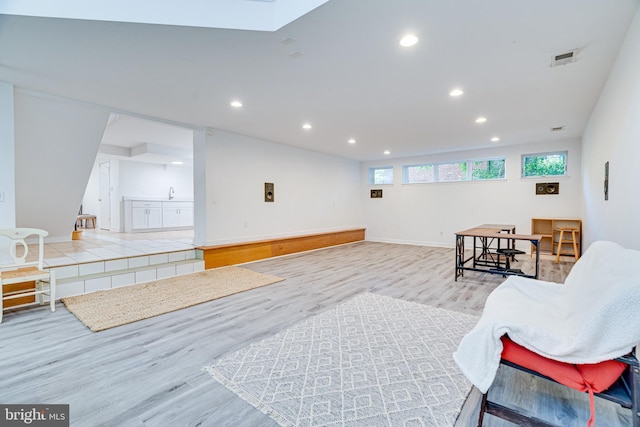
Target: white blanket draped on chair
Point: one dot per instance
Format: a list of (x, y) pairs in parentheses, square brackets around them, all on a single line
[(593, 316)]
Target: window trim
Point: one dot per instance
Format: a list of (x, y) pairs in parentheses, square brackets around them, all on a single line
[(565, 153)]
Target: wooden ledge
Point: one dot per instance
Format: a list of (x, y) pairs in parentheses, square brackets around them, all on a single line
[(237, 253)]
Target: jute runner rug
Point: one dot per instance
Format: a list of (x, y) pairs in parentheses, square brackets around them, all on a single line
[(371, 361), (114, 307)]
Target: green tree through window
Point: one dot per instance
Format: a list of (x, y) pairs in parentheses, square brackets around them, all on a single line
[(544, 164), (488, 169)]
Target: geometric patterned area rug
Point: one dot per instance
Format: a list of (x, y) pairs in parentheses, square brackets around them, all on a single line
[(370, 361)]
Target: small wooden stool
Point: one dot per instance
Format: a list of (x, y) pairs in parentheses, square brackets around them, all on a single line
[(573, 240), (83, 221)]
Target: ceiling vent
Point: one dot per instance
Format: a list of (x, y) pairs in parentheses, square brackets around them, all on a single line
[(557, 128), (564, 58)]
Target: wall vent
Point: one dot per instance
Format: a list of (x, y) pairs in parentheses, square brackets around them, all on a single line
[(564, 58)]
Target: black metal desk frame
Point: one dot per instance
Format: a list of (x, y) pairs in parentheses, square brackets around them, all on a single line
[(488, 261)]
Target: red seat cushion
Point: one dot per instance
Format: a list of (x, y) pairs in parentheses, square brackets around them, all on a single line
[(597, 376)]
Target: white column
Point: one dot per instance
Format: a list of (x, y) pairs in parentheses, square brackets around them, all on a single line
[(200, 203)]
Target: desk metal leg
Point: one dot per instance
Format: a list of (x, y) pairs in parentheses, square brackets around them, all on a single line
[(475, 259), (459, 256)]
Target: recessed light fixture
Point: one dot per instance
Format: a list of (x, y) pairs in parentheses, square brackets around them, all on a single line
[(408, 40), (177, 162), (306, 126), (495, 139), (236, 104), (352, 141), (288, 40), (481, 119), (387, 152), (456, 92)]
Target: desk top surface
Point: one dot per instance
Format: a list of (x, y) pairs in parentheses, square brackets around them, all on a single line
[(503, 227), (484, 231)]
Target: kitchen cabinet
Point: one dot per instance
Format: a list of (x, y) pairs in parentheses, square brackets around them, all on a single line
[(177, 214), (157, 215), (146, 215)]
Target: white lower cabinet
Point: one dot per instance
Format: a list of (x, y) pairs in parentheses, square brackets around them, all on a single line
[(177, 214), (146, 215)]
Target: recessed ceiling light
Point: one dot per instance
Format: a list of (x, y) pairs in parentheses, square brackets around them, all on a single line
[(387, 152), (288, 40), (176, 162), (456, 92), (408, 40), (481, 119), (495, 139), (236, 104), (306, 126), (352, 141)]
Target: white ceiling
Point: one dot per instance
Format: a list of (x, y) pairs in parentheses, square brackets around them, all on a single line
[(141, 140), (350, 79)]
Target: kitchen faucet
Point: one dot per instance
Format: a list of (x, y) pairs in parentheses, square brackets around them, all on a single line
[(170, 193)]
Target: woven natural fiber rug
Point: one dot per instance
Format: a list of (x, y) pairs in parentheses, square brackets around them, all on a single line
[(371, 361), (114, 307)]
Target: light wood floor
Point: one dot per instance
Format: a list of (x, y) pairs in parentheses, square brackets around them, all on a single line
[(149, 373)]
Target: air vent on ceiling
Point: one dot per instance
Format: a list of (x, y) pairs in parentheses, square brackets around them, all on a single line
[(564, 58), (557, 128)]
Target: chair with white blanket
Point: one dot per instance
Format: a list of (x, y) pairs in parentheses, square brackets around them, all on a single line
[(581, 334), (19, 270)]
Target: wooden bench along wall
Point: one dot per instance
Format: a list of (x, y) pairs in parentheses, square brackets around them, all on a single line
[(237, 253)]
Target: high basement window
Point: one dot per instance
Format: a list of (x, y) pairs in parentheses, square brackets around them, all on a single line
[(544, 164), (381, 175), (464, 170)]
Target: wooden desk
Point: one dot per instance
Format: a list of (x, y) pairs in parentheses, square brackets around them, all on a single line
[(488, 260)]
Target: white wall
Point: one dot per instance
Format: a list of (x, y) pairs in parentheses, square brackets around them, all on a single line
[(313, 192), (90, 200), (7, 158), (56, 143), (430, 214), (613, 135), (137, 179), (150, 180)]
